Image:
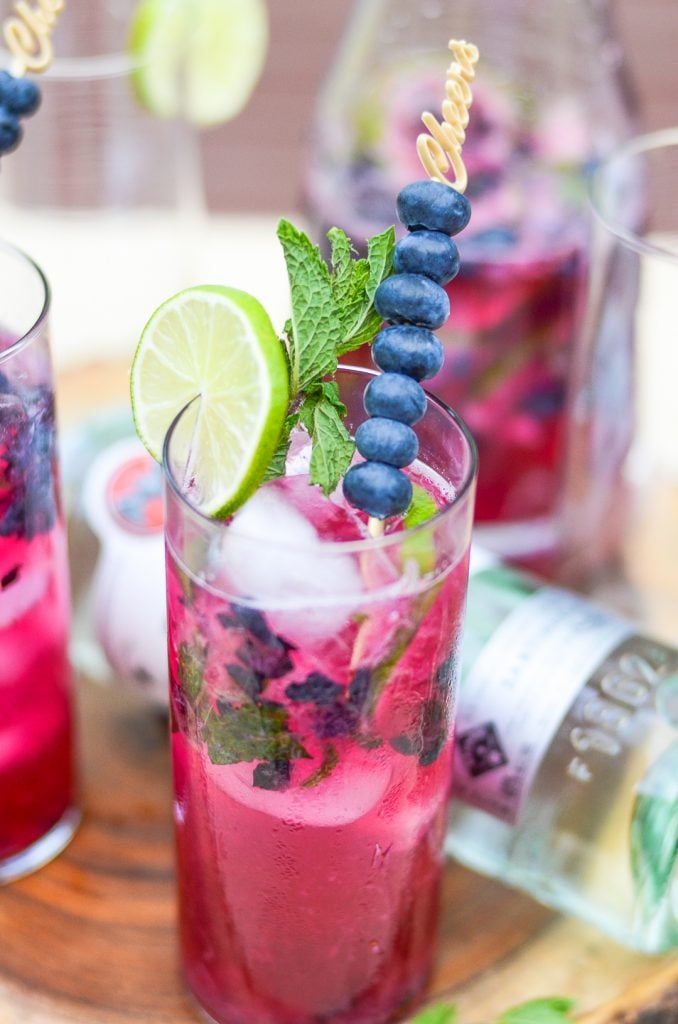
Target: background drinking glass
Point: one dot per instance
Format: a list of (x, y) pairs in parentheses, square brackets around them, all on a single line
[(624, 462), (312, 696), (37, 813), (105, 194)]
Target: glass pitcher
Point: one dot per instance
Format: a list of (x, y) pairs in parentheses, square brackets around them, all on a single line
[(550, 97)]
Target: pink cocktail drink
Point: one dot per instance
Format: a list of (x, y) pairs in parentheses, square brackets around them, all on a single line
[(313, 672), (36, 770)]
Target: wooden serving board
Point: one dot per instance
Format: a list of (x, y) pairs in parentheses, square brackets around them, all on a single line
[(90, 939)]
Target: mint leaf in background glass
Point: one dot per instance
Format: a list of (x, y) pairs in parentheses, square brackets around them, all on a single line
[(354, 283), (443, 1014), (315, 324), (332, 447), (552, 1010)]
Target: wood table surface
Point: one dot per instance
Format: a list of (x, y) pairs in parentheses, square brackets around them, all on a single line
[(91, 938)]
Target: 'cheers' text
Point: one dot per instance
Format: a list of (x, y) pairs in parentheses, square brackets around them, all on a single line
[(28, 34), (440, 151)]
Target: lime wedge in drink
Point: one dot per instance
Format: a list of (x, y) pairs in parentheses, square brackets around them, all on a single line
[(198, 59), (217, 343)]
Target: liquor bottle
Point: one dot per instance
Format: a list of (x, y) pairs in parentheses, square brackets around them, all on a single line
[(550, 97), (566, 770)]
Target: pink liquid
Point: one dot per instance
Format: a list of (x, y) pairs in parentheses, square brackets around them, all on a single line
[(36, 776), (508, 348), (308, 903)]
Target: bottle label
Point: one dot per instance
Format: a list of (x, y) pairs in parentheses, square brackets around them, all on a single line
[(520, 688)]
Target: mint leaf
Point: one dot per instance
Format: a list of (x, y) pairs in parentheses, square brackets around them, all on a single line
[(552, 1010), (354, 283), (442, 1014), (332, 447), (276, 466), (315, 325), (191, 664), (253, 732)]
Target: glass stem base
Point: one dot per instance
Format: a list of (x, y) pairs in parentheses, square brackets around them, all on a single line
[(43, 850)]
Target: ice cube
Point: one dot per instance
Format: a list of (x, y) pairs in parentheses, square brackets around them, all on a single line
[(273, 556)]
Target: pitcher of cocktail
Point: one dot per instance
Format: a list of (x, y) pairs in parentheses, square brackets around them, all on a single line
[(551, 101)]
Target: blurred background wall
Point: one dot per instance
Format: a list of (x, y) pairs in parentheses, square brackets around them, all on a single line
[(255, 162)]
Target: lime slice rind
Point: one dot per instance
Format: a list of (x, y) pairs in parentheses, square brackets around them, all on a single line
[(216, 345)]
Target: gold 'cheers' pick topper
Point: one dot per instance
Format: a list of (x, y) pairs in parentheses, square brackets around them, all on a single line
[(440, 151), (28, 34)]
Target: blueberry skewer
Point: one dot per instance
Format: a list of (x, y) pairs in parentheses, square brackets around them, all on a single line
[(414, 303)]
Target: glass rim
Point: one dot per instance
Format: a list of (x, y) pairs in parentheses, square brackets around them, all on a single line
[(663, 139), (81, 68), (33, 331), (336, 547)]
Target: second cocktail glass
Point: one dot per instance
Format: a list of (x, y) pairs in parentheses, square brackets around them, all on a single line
[(37, 812), (313, 676)]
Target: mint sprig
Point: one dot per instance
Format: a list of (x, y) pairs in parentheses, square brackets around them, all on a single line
[(332, 313)]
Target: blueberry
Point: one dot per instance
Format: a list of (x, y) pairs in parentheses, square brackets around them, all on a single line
[(432, 205), (378, 489), (270, 661), (335, 720), (20, 95), (272, 774), (10, 131), (413, 351), (384, 440), (496, 238), (395, 395), (250, 682), (427, 252), (359, 688), (412, 299), (316, 688), (250, 619)]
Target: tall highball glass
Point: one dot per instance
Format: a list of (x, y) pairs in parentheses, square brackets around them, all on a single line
[(313, 677), (37, 810)]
